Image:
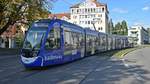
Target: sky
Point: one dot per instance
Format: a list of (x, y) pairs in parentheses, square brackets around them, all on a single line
[(133, 11)]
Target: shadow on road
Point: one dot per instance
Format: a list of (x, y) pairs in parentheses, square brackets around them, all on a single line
[(114, 71)]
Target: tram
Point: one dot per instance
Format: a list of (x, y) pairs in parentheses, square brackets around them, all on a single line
[(54, 41)]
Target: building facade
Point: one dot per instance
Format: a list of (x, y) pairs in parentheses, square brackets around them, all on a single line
[(138, 35), (12, 36), (62, 16), (90, 14), (7, 39), (148, 29)]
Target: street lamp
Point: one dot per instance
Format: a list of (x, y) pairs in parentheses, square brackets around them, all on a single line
[(94, 21)]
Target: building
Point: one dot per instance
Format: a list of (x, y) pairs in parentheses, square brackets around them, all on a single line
[(90, 14), (62, 16), (138, 35), (7, 39), (13, 36), (148, 29)]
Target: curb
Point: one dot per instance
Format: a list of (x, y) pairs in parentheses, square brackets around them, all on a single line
[(132, 51)]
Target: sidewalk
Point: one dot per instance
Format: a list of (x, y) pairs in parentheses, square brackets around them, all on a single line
[(7, 51)]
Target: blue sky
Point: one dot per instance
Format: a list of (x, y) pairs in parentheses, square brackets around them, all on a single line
[(133, 11)]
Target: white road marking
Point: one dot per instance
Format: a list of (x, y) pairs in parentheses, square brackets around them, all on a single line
[(126, 65), (123, 60), (138, 77), (101, 69)]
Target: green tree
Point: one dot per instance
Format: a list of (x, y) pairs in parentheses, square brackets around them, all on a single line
[(124, 27), (121, 28), (118, 28), (115, 29), (110, 27), (22, 11)]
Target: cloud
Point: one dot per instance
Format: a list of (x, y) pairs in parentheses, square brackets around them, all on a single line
[(120, 10), (146, 8)]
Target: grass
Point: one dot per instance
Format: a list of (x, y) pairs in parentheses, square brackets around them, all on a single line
[(122, 53)]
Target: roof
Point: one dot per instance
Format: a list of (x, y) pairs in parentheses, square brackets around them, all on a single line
[(59, 15), (98, 4)]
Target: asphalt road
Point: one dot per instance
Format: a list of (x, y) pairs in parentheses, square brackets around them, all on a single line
[(99, 69)]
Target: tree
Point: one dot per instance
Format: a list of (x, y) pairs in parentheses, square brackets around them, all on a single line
[(124, 27), (118, 28), (110, 26), (22, 11), (121, 28)]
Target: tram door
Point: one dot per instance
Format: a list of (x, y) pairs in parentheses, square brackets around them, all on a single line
[(53, 44)]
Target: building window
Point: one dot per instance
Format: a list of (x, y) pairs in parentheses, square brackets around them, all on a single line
[(85, 10), (85, 16), (101, 21), (88, 22), (94, 10), (99, 10), (77, 11), (85, 22), (88, 16), (91, 10), (82, 11), (80, 16), (100, 15), (102, 9), (88, 10), (99, 28), (80, 22), (72, 11)]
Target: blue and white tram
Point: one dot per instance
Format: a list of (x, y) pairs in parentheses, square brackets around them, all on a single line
[(50, 42)]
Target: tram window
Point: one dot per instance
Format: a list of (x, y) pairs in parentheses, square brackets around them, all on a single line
[(75, 40), (68, 40), (90, 41), (53, 40), (81, 40), (104, 41), (97, 41)]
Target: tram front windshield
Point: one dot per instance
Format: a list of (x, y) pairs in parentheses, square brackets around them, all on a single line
[(34, 37)]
